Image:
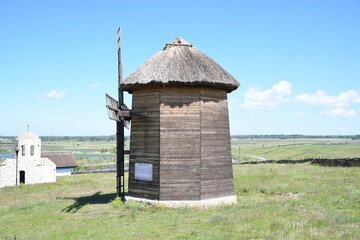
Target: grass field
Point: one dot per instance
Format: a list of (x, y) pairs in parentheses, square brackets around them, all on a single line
[(274, 149), (274, 202)]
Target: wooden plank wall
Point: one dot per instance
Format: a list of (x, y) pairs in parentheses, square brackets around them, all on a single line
[(180, 143), (186, 138), (216, 163), (145, 143)]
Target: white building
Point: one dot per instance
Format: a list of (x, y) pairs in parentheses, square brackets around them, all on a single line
[(28, 167)]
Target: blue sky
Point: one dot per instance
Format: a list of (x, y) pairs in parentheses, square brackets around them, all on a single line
[(298, 62)]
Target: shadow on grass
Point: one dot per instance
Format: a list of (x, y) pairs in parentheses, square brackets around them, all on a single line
[(96, 198)]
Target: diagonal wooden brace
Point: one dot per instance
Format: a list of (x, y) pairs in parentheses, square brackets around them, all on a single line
[(128, 113)]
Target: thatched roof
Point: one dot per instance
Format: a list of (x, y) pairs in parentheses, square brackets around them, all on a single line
[(61, 159), (180, 64)]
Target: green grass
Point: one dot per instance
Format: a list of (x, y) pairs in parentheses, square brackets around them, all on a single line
[(6, 150), (297, 151), (274, 202)]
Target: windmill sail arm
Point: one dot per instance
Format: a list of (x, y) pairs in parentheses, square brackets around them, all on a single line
[(122, 112)]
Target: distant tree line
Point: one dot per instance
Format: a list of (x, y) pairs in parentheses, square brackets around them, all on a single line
[(80, 138), (77, 138), (252, 136), (71, 138)]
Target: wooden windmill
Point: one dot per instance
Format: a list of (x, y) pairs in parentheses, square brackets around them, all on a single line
[(180, 152)]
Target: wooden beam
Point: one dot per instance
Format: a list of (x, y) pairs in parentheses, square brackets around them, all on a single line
[(138, 113), (120, 160), (127, 113)]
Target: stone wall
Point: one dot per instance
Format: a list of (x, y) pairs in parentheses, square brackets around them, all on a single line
[(334, 162)]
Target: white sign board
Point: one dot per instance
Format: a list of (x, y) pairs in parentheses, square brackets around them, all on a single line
[(143, 171)]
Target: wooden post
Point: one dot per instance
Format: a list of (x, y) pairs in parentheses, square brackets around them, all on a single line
[(120, 178), (17, 149)]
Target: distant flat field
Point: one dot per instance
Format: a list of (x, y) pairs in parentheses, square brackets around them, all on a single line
[(102, 153), (277, 149), (275, 201), (88, 154)]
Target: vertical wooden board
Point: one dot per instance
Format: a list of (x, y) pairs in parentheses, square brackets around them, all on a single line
[(180, 143), (145, 143), (216, 165)]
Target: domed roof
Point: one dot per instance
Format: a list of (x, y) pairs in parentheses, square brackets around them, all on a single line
[(27, 135), (180, 63)]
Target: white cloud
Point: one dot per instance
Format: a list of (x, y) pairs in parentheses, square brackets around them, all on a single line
[(336, 105), (267, 99), (320, 98), (333, 105), (299, 114), (53, 94), (339, 112), (95, 85)]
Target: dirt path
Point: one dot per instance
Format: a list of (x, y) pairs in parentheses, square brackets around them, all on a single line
[(258, 157)]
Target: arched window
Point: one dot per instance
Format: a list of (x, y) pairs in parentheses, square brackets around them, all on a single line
[(32, 150), (23, 150)]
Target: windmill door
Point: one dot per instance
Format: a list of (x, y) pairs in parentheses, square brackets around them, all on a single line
[(22, 177)]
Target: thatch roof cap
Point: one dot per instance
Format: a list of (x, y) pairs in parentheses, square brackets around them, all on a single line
[(61, 159), (180, 64)]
